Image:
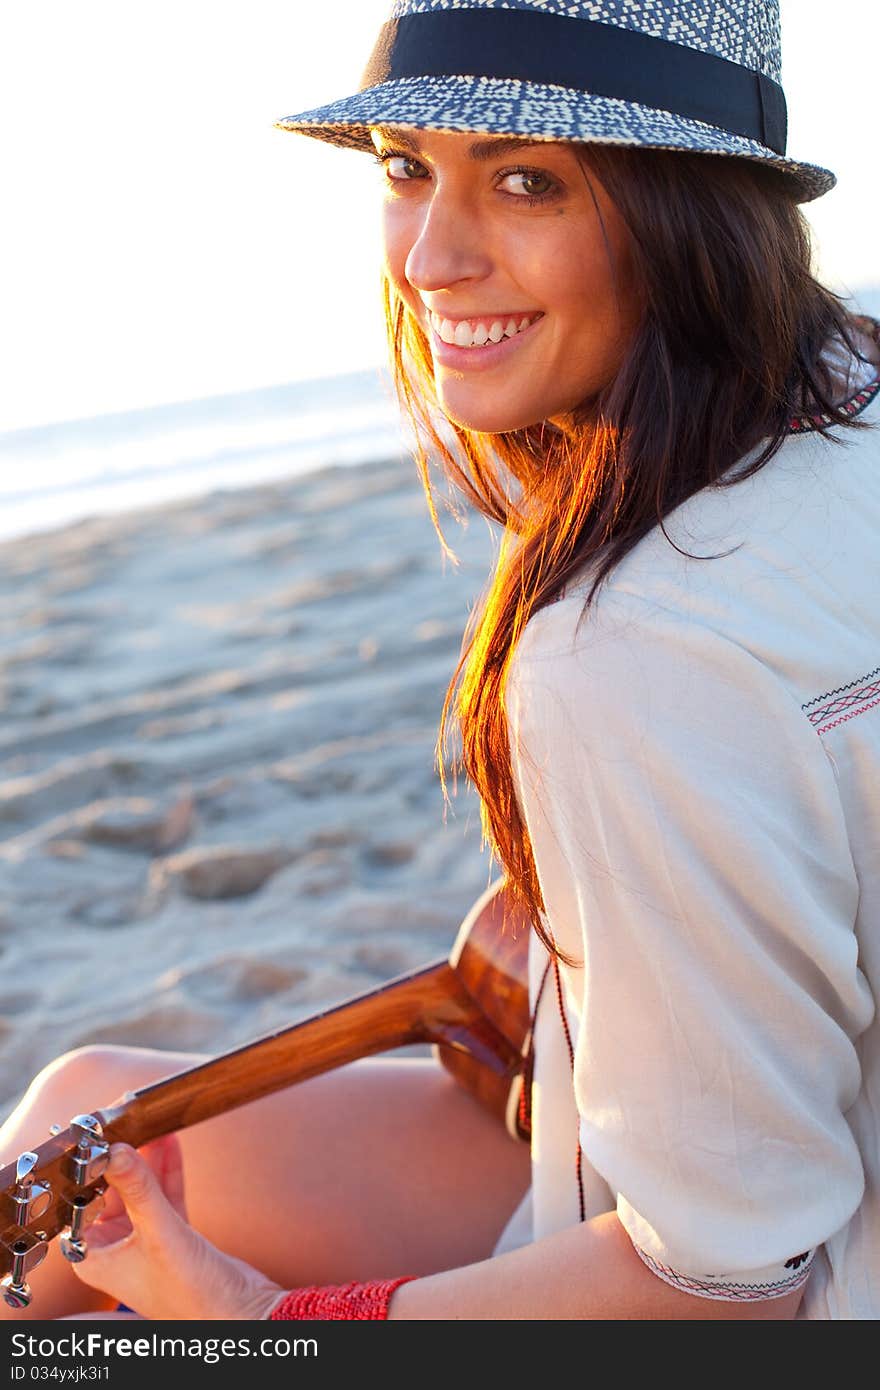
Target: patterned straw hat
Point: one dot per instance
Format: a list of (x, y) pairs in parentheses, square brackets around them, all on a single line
[(699, 75)]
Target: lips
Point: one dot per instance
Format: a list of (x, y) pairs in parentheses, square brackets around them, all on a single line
[(477, 358)]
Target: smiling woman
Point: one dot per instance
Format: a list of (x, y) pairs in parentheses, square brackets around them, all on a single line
[(604, 325), (532, 258)]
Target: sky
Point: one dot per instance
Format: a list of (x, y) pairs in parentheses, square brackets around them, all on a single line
[(162, 241)]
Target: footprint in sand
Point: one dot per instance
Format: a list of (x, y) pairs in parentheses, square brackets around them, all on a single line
[(390, 854), (164, 1027), (233, 980), (21, 1003), (219, 871), (322, 871), (388, 959)]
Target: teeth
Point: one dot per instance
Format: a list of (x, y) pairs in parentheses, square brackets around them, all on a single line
[(474, 333)]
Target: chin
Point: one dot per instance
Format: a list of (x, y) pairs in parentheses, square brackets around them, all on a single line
[(488, 418)]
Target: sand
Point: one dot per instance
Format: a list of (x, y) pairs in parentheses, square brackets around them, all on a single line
[(219, 806)]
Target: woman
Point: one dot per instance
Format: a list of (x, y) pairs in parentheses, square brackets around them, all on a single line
[(597, 272)]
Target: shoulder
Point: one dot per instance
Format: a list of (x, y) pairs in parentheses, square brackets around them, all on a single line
[(758, 568), (632, 663), (784, 519), (644, 686)]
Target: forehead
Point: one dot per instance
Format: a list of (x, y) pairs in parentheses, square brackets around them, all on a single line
[(485, 147)]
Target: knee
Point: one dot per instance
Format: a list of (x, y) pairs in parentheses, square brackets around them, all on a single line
[(86, 1078), (78, 1082)]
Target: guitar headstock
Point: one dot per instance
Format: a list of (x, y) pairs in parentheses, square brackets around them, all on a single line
[(53, 1190)]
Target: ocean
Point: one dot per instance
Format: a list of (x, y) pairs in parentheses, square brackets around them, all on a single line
[(54, 474)]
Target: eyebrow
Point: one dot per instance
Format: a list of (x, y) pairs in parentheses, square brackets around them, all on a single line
[(480, 149)]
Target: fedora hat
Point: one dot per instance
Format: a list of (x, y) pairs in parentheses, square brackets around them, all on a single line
[(697, 75)]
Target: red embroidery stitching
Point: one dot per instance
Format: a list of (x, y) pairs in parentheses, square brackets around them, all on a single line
[(801, 424), (826, 727), (857, 701)]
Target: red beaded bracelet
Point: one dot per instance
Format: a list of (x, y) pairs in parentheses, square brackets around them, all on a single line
[(340, 1301)]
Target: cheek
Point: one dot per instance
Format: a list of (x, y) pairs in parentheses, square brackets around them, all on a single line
[(397, 240), (568, 275), (591, 281)]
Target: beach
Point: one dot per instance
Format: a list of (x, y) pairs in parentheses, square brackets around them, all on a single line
[(219, 805)]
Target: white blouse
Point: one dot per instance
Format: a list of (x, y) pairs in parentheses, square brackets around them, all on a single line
[(698, 767)]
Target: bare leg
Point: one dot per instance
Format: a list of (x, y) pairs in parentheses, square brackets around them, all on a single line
[(382, 1167)]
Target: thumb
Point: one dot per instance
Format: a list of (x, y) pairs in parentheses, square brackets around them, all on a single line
[(140, 1192), (139, 1241)]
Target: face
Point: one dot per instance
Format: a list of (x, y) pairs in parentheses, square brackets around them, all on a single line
[(515, 263)]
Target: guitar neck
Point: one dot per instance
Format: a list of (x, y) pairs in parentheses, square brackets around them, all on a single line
[(474, 1006), (430, 1006)]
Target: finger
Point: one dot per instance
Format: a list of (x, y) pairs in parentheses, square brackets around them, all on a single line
[(113, 1206), (165, 1157), (151, 1215), (126, 1246), (106, 1233)]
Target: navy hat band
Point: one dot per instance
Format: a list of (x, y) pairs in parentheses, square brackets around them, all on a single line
[(602, 59)]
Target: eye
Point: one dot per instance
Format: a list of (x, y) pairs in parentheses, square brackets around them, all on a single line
[(534, 185), (399, 167)]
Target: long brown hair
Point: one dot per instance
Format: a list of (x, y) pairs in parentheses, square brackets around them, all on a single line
[(727, 350)]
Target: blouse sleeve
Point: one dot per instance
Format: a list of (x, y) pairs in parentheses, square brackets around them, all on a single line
[(692, 851)]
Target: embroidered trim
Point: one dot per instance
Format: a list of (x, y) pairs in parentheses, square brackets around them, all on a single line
[(802, 424), (856, 697), (730, 1290), (840, 688)]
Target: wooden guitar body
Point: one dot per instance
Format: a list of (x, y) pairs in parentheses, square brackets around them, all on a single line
[(490, 960)]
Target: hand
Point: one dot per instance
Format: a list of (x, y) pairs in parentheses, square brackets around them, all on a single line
[(143, 1251)]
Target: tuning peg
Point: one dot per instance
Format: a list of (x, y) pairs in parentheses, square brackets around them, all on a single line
[(30, 1199), (55, 1129), (27, 1252), (83, 1209), (92, 1154)]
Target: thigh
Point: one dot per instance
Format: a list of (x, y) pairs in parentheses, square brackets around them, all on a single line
[(380, 1167)]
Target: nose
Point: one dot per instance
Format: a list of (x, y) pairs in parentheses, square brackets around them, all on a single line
[(451, 245)]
